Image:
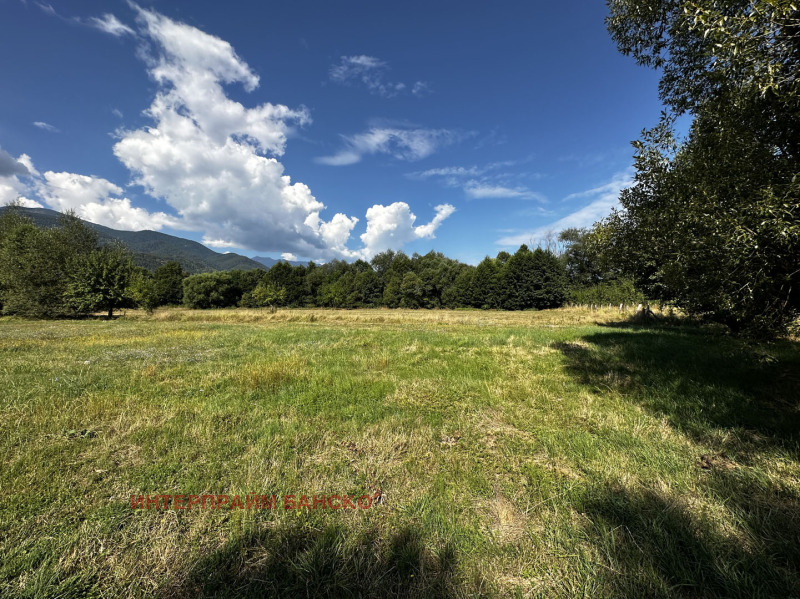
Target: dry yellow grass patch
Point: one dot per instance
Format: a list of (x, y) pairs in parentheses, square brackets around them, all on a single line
[(272, 375), (506, 523), (559, 318)]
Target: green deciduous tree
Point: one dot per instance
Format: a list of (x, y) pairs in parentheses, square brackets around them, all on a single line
[(168, 284), (100, 280), (211, 290), (411, 291), (265, 295), (714, 222), (143, 292), (35, 263)]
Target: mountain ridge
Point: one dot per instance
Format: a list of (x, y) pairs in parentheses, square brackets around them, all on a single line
[(151, 249)]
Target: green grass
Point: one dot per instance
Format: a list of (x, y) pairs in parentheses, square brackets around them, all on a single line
[(553, 454)]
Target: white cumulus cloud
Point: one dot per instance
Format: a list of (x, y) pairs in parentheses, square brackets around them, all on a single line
[(13, 185), (92, 198), (392, 226), (214, 161), (10, 166)]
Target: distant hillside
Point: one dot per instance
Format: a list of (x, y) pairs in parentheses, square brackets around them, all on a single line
[(151, 249), (270, 262)]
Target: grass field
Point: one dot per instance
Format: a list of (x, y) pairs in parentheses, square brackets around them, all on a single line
[(554, 454)]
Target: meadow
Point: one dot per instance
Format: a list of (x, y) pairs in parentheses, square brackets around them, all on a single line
[(564, 453)]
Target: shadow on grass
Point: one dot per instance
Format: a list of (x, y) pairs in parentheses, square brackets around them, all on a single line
[(300, 560), (743, 402), (655, 546), (698, 381)]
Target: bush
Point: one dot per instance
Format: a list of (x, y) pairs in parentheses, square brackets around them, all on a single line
[(211, 290)]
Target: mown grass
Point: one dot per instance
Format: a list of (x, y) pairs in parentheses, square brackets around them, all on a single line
[(554, 454)]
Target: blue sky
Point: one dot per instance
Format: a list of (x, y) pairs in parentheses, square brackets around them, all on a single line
[(321, 130)]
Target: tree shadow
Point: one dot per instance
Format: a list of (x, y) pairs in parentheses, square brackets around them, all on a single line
[(742, 401), (654, 545), (302, 560), (699, 382)]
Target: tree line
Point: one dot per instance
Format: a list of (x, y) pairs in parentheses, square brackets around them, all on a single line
[(528, 279), (63, 272)]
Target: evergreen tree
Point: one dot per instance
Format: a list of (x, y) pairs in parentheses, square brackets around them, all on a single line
[(459, 294), (548, 283), (486, 283), (367, 288), (516, 290), (391, 292)]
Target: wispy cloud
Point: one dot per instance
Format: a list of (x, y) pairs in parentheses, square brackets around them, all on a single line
[(480, 191), (421, 88), (45, 126), (448, 171), (402, 144), (491, 181), (603, 199), (111, 24), (371, 72), (47, 8), (107, 23)]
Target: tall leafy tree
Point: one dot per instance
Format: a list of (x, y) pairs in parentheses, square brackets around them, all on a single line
[(264, 295), (143, 290), (100, 280), (580, 259), (714, 222), (35, 263), (168, 283), (411, 291), (211, 290)]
